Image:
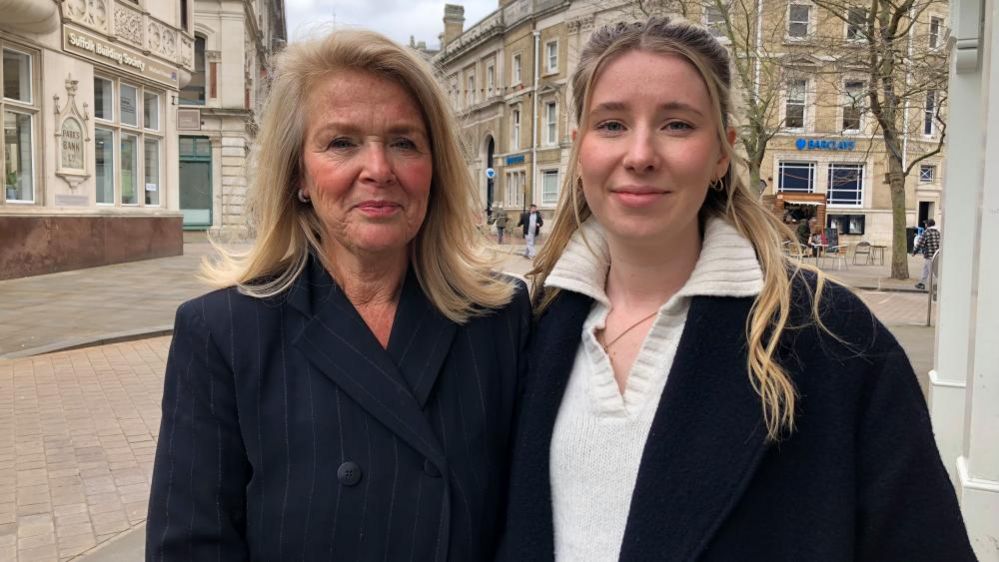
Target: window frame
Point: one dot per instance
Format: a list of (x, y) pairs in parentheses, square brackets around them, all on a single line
[(514, 198), (490, 79), (858, 201), (204, 69), (545, 174), (709, 9), (803, 104), (933, 36), (930, 113), (810, 165), (141, 132), (549, 67), (470, 91), (856, 103), (859, 29), (551, 123), (927, 178), (32, 110), (515, 121), (516, 69), (809, 22)]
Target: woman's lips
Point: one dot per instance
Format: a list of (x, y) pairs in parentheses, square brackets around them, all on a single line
[(379, 208), (638, 197)]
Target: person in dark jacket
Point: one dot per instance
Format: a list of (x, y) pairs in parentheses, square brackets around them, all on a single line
[(531, 222), (349, 392), (693, 393)]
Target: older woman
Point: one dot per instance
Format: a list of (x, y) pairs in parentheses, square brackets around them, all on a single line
[(348, 392), (693, 394)]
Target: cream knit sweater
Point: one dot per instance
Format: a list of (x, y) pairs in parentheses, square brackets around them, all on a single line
[(599, 433)]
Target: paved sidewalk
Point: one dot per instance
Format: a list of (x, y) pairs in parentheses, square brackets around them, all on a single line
[(78, 427)]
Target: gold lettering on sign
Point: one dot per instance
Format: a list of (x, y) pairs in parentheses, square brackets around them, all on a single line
[(72, 144)]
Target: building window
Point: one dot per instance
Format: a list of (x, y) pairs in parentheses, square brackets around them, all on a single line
[(127, 151), (930, 113), (490, 79), (856, 24), (549, 187), (515, 130), (846, 184), (551, 123), (936, 25), (194, 92), (714, 19), (18, 110), (798, 177), (551, 56), (853, 104), (927, 173), (516, 70), (798, 20), (470, 94), (515, 183), (794, 108), (847, 224)]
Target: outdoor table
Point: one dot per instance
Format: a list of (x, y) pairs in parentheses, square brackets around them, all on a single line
[(878, 253)]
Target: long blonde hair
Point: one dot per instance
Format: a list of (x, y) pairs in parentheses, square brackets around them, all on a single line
[(448, 254), (733, 203)]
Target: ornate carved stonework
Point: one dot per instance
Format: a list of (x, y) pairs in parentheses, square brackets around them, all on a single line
[(72, 139), (128, 25), (93, 13), (187, 53), (162, 40)]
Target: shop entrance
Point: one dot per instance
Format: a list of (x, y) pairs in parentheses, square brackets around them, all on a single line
[(196, 182)]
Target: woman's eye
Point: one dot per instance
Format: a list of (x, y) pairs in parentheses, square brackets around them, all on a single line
[(610, 126), (678, 126), (403, 143), (341, 143)]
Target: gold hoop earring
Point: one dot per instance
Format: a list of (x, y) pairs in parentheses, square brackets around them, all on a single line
[(302, 197)]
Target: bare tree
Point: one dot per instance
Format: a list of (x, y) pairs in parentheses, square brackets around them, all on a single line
[(898, 48)]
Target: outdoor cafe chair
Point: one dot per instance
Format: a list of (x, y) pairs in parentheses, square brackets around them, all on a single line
[(837, 254), (862, 249)]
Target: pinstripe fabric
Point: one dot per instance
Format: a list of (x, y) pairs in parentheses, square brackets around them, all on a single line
[(264, 400)]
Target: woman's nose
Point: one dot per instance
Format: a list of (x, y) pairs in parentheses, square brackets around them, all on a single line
[(642, 155), (377, 167)]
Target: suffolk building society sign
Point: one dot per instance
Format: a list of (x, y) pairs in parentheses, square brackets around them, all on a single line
[(95, 48), (825, 144)]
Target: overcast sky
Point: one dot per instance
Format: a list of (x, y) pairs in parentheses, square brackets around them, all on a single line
[(423, 19)]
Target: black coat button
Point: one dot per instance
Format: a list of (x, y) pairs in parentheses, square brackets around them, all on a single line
[(349, 473), (431, 469)]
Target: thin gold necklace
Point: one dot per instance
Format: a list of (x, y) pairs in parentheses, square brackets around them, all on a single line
[(608, 345)]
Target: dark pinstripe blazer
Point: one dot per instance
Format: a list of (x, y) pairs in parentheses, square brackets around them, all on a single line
[(266, 402)]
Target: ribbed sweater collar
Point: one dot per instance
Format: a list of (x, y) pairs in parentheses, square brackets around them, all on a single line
[(726, 267)]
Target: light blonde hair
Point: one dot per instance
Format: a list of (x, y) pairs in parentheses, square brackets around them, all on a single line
[(448, 254), (733, 202)]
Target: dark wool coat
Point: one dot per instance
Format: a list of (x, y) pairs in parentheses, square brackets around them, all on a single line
[(859, 479), (289, 433)]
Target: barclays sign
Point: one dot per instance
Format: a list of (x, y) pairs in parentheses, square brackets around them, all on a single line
[(821, 144)]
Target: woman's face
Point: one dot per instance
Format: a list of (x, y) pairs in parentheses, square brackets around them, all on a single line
[(368, 165), (650, 148)]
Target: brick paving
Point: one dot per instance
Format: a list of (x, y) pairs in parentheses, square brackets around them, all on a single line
[(78, 428), (77, 438)]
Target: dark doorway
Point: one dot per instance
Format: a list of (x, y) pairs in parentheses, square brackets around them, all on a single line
[(925, 212), (196, 182)]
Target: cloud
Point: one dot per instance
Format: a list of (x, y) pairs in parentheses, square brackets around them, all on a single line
[(398, 19)]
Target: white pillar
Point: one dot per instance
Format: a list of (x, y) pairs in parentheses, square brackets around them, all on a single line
[(968, 328), (959, 200)]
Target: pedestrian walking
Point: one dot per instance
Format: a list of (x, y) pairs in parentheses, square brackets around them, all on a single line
[(500, 219), (348, 393), (927, 244), (694, 393), (531, 223)]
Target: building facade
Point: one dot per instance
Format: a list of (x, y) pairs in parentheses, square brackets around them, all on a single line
[(508, 78), (233, 42), (89, 134), (117, 130)]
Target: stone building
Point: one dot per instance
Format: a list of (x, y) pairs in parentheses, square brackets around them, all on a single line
[(89, 131), (124, 121), (508, 78), (233, 41)]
